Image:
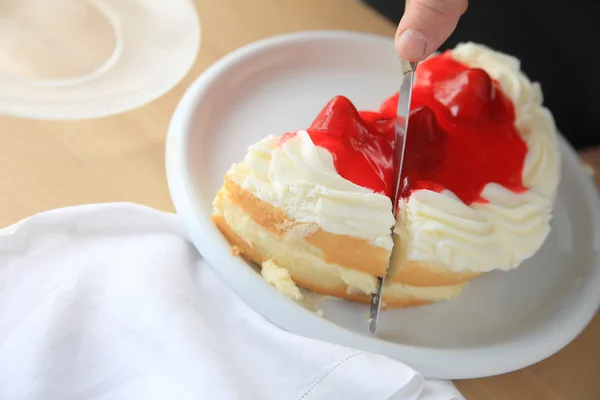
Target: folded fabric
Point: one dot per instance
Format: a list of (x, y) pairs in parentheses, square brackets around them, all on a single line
[(112, 301)]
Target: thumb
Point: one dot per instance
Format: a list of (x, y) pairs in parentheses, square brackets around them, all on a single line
[(425, 25)]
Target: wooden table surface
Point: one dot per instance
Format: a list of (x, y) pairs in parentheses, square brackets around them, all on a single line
[(49, 164)]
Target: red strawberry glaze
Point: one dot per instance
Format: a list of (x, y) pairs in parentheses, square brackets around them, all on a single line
[(461, 135)]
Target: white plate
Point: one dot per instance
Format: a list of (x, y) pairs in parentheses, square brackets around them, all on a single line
[(74, 59), (502, 322)]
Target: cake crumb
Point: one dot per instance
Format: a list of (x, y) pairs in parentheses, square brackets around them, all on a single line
[(281, 280), (300, 231), (236, 250)]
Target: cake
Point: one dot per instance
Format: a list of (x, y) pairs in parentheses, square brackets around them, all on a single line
[(480, 176)]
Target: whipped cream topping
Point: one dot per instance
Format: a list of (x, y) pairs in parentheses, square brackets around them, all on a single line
[(301, 179), (439, 228)]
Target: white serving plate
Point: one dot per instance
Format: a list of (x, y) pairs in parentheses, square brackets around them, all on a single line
[(502, 322)]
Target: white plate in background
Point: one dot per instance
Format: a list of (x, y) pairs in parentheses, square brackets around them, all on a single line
[(75, 59), (503, 321)]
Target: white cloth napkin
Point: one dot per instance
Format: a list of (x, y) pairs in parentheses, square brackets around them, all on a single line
[(112, 302)]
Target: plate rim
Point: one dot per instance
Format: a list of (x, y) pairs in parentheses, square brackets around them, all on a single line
[(447, 363)]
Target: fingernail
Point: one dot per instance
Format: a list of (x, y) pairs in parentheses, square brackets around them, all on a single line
[(411, 44)]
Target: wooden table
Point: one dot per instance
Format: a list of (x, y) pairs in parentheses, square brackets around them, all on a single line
[(46, 164)]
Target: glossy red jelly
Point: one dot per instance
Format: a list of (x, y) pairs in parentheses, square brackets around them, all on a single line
[(461, 135)]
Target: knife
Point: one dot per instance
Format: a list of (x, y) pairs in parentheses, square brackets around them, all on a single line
[(402, 114)]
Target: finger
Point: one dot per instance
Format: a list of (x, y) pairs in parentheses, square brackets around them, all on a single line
[(425, 25)]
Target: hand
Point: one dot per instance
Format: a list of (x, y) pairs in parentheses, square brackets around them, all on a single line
[(426, 24)]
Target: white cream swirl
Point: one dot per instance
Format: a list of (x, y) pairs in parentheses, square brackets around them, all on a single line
[(440, 229), (521, 222), (300, 178), (542, 163)]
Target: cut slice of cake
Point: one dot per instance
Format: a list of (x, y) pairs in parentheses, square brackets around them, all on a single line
[(288, 203), (480, 175)]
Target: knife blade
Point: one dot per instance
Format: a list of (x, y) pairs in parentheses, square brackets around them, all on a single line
[(402, 114)]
